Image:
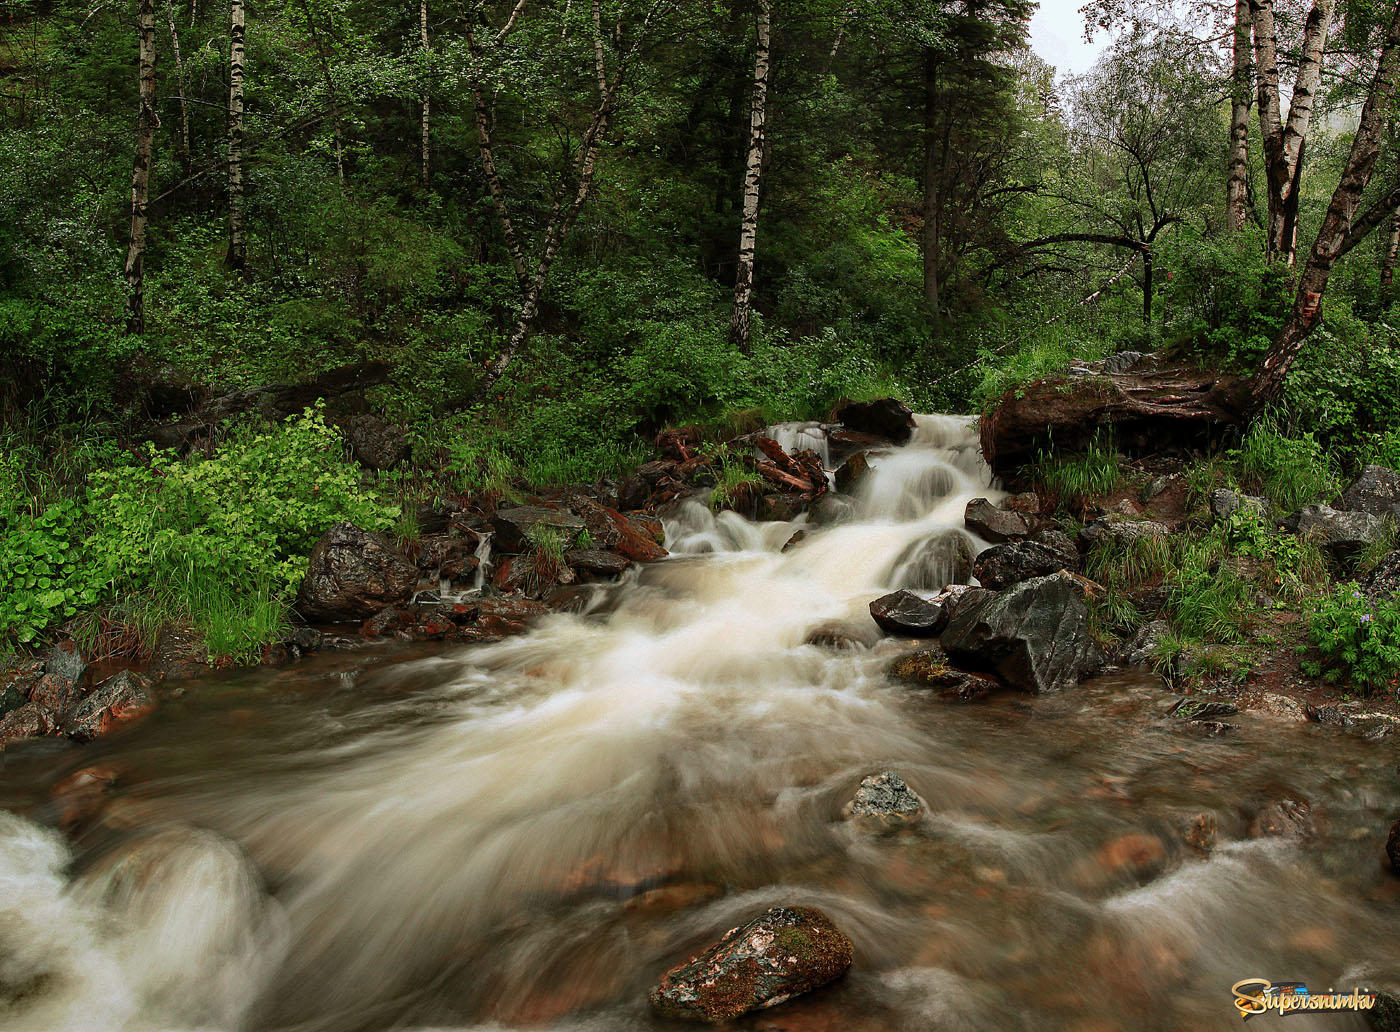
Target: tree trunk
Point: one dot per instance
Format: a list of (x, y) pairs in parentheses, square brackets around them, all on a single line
[(237, 246), (332, 97), (1236, 182), (931, 183), (1392, 253), (135, 269), (740, 322), (1283, 142), (183, 151), (1341, 228), (1147, 287), (427, 101)]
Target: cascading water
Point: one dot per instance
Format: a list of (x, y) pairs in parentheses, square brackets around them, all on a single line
[(524, 835)]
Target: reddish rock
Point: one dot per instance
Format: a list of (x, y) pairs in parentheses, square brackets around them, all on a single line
[(994, 524), (1285, 817), (680, 443), (888, 417), (54, 694), (352, 574), (502, 617), (80, 795), (611, 530), (29, 721), (122, 699), (597, 563), (781, 954)]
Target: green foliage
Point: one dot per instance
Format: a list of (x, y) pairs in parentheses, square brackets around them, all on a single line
[(1289, 471), (1207, 602), (1072, 479), (1356, 640), (1291, 564), (734, 479), (43, 575)]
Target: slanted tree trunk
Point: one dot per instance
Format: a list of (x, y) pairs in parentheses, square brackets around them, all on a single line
[(135, 268), (1241, 92), (740, 321), (1341, 227), (237, 245), (1147, 287), (425, 133), (183, 148), (1284, 142)]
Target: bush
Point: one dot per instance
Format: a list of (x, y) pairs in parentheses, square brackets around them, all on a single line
[(43, 576), (1356, 640)]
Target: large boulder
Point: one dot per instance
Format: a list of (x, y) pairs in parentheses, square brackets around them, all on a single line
[(1383, 581), (1343, 534), (887, 417), (1376, 490), (1034, 635), (784, 953), (377, 444), (1014, 561), (852, 472), (932, 563), (516, 527), (1122, 532), (124, 698), (994, 524), (611, 530), (352, 574)]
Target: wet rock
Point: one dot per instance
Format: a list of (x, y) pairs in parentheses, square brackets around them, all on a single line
[(654, 482), (780, 506), (1392, 847), (597, 563), (122, 699), (885, 800), (831, 510), (1135, 855), (1209, 728), (1385, 1015), (443, 550), (1146, 645), (994, 524), (887, 417), (65, 661), (929, 669), (515, 526), (784, 953), (1194, 707), (795, 540), (1121, 532), (1285, 817), (179, 653), (1011, 563), (353, 573), (29, 721), (943, 558), (377, 444), (1272, 704), (1376, 490), (1034, 635), (1027, 503), (82, 794), (54, 694), (1201, 831), (1342, 534), (680, 442), (912, 615), (611, 530), (1383, 581), (841, 637), (1224, 503), (851, 472), (502, 617)]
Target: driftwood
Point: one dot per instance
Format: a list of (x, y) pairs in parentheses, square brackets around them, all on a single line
[(801, 472), (1147, 409), (272, 402)]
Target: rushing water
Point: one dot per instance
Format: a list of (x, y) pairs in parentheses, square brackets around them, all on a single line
[(525, 835)]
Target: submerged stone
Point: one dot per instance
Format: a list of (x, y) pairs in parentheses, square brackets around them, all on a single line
[(884, 799), (784, 953)]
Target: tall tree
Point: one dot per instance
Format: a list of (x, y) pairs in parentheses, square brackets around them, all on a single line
[(183, 148), (1241, 96), (741, 318), (1345, 223), (425, 133), (135, 268), (1284, 140), (237, 245)]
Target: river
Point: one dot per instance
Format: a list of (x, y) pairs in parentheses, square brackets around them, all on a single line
[(527, 834)]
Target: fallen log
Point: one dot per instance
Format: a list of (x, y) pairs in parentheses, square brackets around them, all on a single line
[(1147, 407)]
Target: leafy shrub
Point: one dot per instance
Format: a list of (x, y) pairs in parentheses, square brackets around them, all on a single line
[(1292, 563), (1289, 471), (43, 575), (1356, 639)]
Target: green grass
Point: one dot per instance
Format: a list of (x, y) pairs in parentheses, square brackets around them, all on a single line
[(732, 478), (1072, 479), (1206, 602), (1289, 471)]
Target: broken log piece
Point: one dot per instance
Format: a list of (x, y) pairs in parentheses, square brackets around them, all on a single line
[(1151, 410), (773, 474)]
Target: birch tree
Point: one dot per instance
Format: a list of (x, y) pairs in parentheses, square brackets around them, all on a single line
[(741, 318), (1241, 98), (135, 268), (1345, 224), (237, 245), (425, 133)]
